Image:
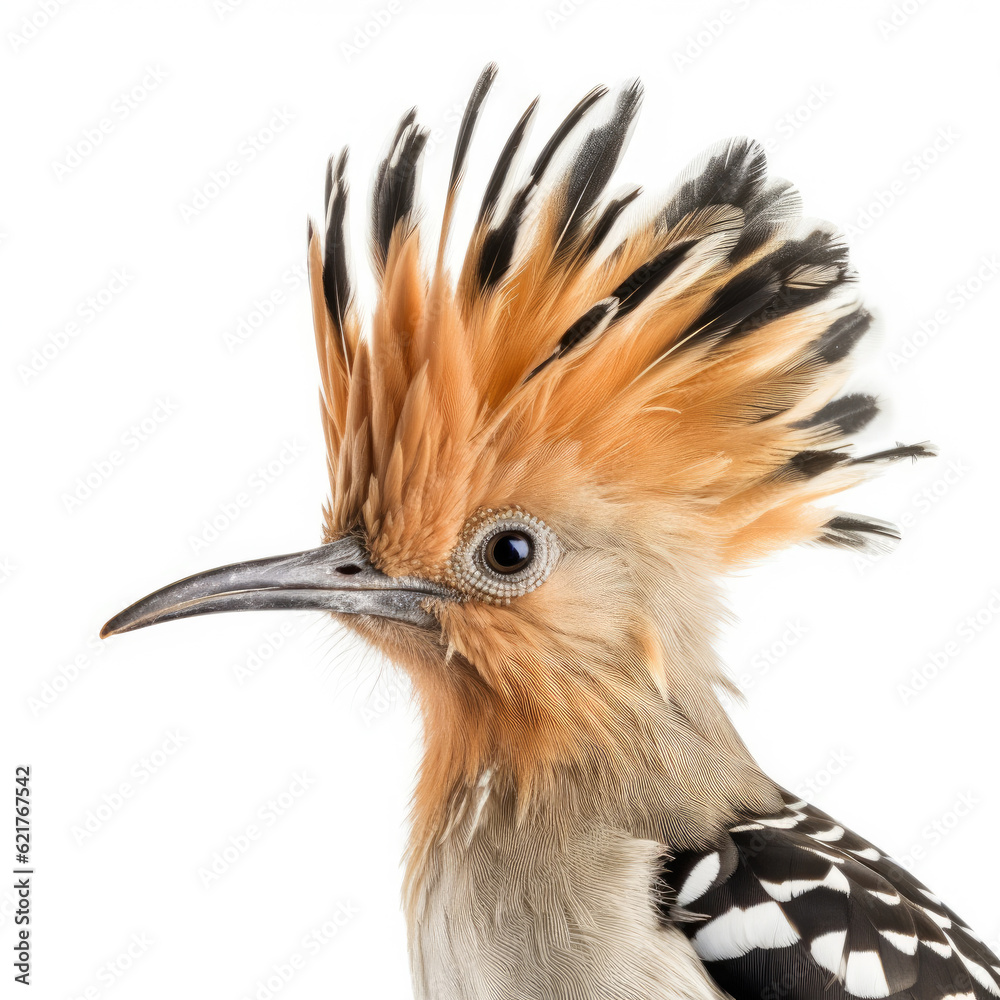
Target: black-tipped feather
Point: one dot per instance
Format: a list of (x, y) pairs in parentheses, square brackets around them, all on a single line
[(732, 175), (336, 276), (766, 213), (922, 450), (506, 160), (814, 462), (807, 270), (498, 245), (747, 293), (468, 125), (842, 336), (597, 316), (849, 414), (798, 274), (595, 162), (608, 217), (811, 462), (395, 185), (561, 134), (854, 532), (644, 280)]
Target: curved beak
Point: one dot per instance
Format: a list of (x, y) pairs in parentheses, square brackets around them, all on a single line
[(335, 577)]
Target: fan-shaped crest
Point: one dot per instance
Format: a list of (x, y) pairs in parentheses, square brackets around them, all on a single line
[(683, 366)]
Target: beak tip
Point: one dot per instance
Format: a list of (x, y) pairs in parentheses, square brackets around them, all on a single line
[(113, 626)]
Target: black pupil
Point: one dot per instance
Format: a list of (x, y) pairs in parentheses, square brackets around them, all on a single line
[(509, 551)]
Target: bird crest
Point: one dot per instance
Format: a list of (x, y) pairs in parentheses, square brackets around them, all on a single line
[(676, 367)]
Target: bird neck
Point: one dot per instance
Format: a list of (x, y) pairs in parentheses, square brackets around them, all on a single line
[(664, 767)]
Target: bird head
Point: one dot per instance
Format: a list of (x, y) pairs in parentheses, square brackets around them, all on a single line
[(542, 464)]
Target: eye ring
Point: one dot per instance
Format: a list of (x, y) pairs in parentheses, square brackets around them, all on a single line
[(482, 570), (509, 551)]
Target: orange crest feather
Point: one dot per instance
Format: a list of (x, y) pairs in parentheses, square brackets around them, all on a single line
[(684, 370)]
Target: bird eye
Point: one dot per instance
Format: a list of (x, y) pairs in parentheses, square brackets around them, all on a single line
[(503, 554), (509, 551)]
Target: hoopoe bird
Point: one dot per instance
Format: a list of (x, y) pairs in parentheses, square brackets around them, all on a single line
[(540, 470)]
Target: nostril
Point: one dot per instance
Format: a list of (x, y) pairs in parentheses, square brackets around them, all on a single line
[(349, 570)]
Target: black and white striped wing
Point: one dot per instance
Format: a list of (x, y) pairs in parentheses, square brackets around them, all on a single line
[(795, 907)]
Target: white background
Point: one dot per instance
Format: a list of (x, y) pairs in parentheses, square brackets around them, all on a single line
[(826, 714)]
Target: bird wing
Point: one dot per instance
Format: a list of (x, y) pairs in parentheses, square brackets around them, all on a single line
[(794, 906)]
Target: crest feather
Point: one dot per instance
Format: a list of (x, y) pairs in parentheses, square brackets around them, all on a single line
[(689, 373)]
